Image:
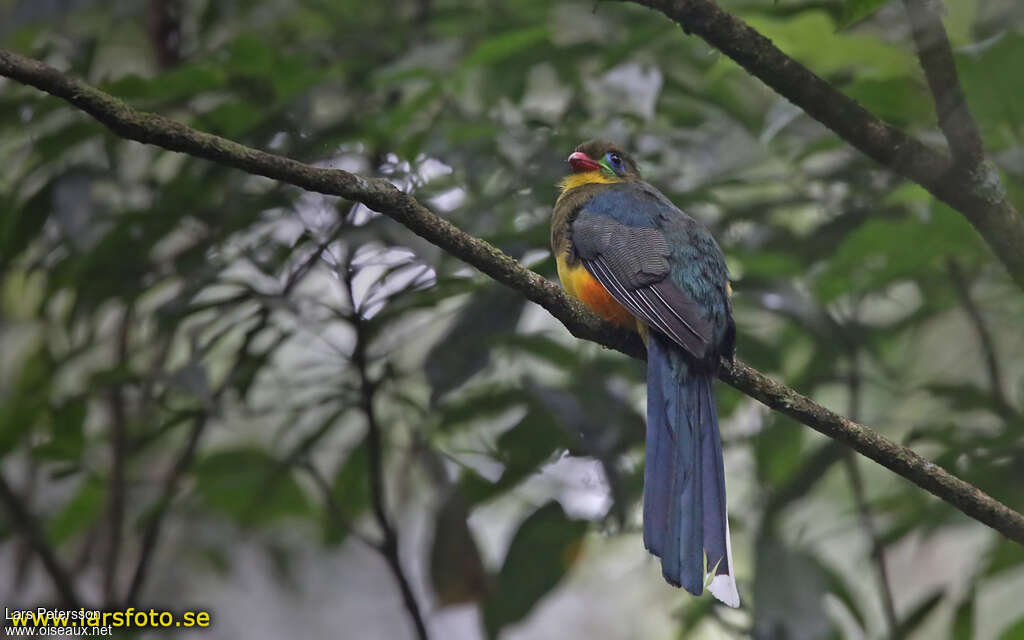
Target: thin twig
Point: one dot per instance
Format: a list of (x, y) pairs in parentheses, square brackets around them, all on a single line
[(936, 56), (332, 506), (33, 533), (924, 473), (115, 493), (978, 195), (877, 546), (381, 196), (151, 535), (85, 555), (975, 190), (867, 521), (816, 464), (301, 271), (164, 26), (298, 453), (389, 547), (23, 551), (988, 347)]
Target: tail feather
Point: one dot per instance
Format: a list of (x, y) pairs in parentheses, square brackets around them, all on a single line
[(658, 463), (682, 564), (717, 544), (685, 522)]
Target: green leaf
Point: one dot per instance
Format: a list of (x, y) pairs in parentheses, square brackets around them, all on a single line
[(493, 311), (81, 511), (543, 347), (543, 549), (880, 252), (530, 442), (350, 493), (250, 54), (522, 449), (19, 226), (53, 146), (293, 74), (767, 264), (963, 620), (777, 450), (478, 403), (1014, 631), (788, 586), (67, 437), (505, 45), (592, 424), (918, 615), (994, 90), (456, 570), (694, 613), (232, 119), (27, 398), (1003, 556), (857, 10), (837, 586), (186, 81), (249, 486), (900, 100), (965, 397), (810, 37)]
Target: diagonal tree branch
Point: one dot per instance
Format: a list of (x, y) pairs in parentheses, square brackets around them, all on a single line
[(936, 55), (368, 386), (377, 194), (973, 190), (381, 196), (924, 473), (36, 538), (962, 287)]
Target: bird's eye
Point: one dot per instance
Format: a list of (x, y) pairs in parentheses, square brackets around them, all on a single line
[(615, 160)]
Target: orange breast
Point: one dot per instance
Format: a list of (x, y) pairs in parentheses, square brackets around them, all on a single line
[(580, 284)]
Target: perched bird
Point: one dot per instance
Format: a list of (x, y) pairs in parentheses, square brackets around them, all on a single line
[(639, 262)]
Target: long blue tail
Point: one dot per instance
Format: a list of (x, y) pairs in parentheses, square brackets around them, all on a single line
[(684, 478)]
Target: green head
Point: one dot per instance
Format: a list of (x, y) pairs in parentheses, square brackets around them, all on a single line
[(608, 158)]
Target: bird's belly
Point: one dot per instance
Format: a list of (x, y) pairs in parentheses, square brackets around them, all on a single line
[(578, 282)]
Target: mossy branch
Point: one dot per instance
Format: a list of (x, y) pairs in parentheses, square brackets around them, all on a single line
[(383, 197), (970, 185)]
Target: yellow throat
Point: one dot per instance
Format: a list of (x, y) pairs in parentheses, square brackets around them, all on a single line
[(571, 181)]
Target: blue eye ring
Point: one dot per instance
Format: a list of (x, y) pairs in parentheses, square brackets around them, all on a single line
[(615, 160)]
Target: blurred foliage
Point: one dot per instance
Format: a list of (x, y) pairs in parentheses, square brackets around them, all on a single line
[(183, 295)]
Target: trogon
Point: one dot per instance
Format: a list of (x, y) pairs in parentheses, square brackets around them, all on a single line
[(638, 261)]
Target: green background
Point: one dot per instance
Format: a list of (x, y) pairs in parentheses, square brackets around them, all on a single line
[(158, 292)]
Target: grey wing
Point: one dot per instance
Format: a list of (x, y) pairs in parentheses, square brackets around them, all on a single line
[(632, 263)]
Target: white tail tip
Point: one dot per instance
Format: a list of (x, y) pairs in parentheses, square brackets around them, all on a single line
[(724, 588)]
